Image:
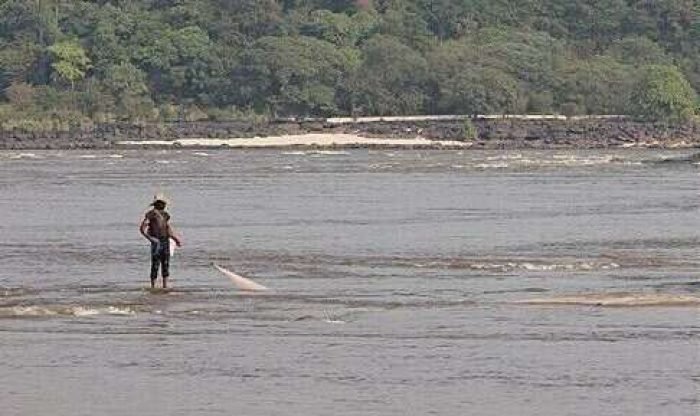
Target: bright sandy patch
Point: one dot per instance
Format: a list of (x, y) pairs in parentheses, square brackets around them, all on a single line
[(317, 139), (618, 299)]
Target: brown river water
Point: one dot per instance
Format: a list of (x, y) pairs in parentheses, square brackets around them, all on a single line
[(402, 283)]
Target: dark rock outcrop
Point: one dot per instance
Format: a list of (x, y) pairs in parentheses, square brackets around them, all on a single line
[(498, 133)]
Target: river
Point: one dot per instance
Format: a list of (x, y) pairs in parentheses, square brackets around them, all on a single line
[(402, 283)]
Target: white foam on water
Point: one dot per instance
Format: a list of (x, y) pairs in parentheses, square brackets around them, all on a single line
[(77, 311), (27, 311), (330, 318), (543, 267), (617, 299), (381, 166), (315, 153), (516, 156), (80, 311), (201, 154), (110, 310), (329, 152), (567, 160), (501, 165), (592, 160), (25, 156)]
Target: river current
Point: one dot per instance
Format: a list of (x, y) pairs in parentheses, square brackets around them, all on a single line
[(402, 282)]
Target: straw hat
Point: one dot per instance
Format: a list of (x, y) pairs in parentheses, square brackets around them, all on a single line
[(160, 198)]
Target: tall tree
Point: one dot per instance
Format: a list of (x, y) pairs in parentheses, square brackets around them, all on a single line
[(663, 94), (69, 61)]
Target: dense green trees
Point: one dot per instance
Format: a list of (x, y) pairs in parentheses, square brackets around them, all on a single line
[(295, 75), (468, 81), (69, 61), (392, 79), (146, 60), (662, 93)]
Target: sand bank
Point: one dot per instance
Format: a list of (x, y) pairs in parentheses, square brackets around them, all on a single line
[(301, 140)]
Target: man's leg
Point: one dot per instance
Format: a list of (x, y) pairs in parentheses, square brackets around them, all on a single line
[(154, 270), (155, 260), (165, 262)]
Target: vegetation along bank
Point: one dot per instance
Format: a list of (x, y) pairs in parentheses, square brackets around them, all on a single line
[(86, 73)]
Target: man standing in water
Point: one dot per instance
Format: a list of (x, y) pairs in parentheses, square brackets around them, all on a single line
[(156, 228)]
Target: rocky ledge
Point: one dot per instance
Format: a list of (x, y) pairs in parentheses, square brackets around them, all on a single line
[(492, 133)]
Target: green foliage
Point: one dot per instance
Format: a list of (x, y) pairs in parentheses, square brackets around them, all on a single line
[(663, 94), (17, 59), (168, 59), (69, 61), (58, 120), (403, 22), (125, 79), (638, 51), (339, 28), (468, 82), (479, 90), (392, 79), (20, 95), (600, 85), (126, 84), (331, 27), (469, 130), (286, 76), (233, 113)]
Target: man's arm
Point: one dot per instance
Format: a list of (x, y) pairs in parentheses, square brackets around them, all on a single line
[(174, 236), (142, 230)]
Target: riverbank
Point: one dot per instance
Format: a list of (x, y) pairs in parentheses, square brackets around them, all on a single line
[(513, 132), (314, 140)]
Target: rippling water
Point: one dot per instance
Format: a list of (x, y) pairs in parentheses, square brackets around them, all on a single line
[(403, 282)]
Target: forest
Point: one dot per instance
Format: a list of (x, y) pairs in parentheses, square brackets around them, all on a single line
[(66, 63)]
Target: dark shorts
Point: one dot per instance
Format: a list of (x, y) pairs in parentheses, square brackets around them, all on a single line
[(160, 257)]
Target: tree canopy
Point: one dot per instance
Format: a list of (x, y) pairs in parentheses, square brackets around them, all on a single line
[(159, 59)]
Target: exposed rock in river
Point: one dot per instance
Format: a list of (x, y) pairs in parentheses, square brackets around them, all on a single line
[(492, 133)]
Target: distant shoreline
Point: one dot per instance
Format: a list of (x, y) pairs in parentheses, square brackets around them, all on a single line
[(424, 132), (312, 140)]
